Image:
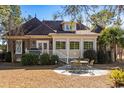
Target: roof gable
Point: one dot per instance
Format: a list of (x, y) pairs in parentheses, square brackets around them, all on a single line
[(42, 29), (30, 25)]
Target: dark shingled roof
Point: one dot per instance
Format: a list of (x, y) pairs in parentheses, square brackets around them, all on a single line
[(82, 27), (97, 29), (55, 25), (30, 25), (42, 29), (36, 27)]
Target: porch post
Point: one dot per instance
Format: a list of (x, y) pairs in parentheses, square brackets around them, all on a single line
[(81, 47), (67, 49), (12, 50), (95, 45), (54, 47)]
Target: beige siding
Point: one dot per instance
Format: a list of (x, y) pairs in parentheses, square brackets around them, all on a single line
[(74, 54)]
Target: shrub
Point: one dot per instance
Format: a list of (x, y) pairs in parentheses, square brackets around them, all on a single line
[(54, 59), (90, 54), (109, 57), (45, 59), (101, 57), (8, 57), (2, 56), (104, 57), (29, 59), (117, 76)]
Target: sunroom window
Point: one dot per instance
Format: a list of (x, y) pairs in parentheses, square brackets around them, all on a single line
[(88, 45), (74, 45), (18, 46), (60, 45)]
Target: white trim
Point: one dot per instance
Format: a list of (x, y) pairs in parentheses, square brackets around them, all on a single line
[(16, 52), (61, 40), (75, 40)]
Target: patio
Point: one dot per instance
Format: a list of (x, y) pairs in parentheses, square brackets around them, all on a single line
[(14, 75), (66, 70)]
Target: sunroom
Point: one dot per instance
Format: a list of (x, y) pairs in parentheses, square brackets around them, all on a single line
[(70, 46)]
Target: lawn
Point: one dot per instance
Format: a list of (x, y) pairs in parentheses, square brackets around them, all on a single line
[(45, 77)]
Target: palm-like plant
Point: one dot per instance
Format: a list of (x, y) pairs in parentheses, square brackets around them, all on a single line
[(111, 37)]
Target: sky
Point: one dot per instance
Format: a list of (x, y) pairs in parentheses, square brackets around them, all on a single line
[(42, 11), (46, 12)]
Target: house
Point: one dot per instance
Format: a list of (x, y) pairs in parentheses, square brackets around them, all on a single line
[(68, 40)]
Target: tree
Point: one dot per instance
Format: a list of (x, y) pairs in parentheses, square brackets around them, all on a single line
[(75, 11), (10, 16), (110, 38), (55, 16), (28, 18), (102, 18), (4, 14), (121, 46), (16, 14), (110, 12), (10, 12), (80, 19)]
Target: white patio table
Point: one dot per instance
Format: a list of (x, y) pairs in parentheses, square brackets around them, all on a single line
[(84, 62), (79, 64), (81, 61)]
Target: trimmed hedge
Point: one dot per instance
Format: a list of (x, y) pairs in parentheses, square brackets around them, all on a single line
[(45, 59), (90, 54), (29, 59), (54, 59)]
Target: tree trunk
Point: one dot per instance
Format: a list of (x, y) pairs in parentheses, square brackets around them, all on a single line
[(10, 28), (121, 54), (115, 54)]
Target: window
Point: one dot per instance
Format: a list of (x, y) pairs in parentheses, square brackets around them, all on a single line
[(67, 27), (40, 46), (18, 47), (88, 45), (74, 45), (60, 45), (33, 44), (45, 45), (70, 27)]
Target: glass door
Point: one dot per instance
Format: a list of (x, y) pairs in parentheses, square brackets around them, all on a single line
[(43, 46)]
